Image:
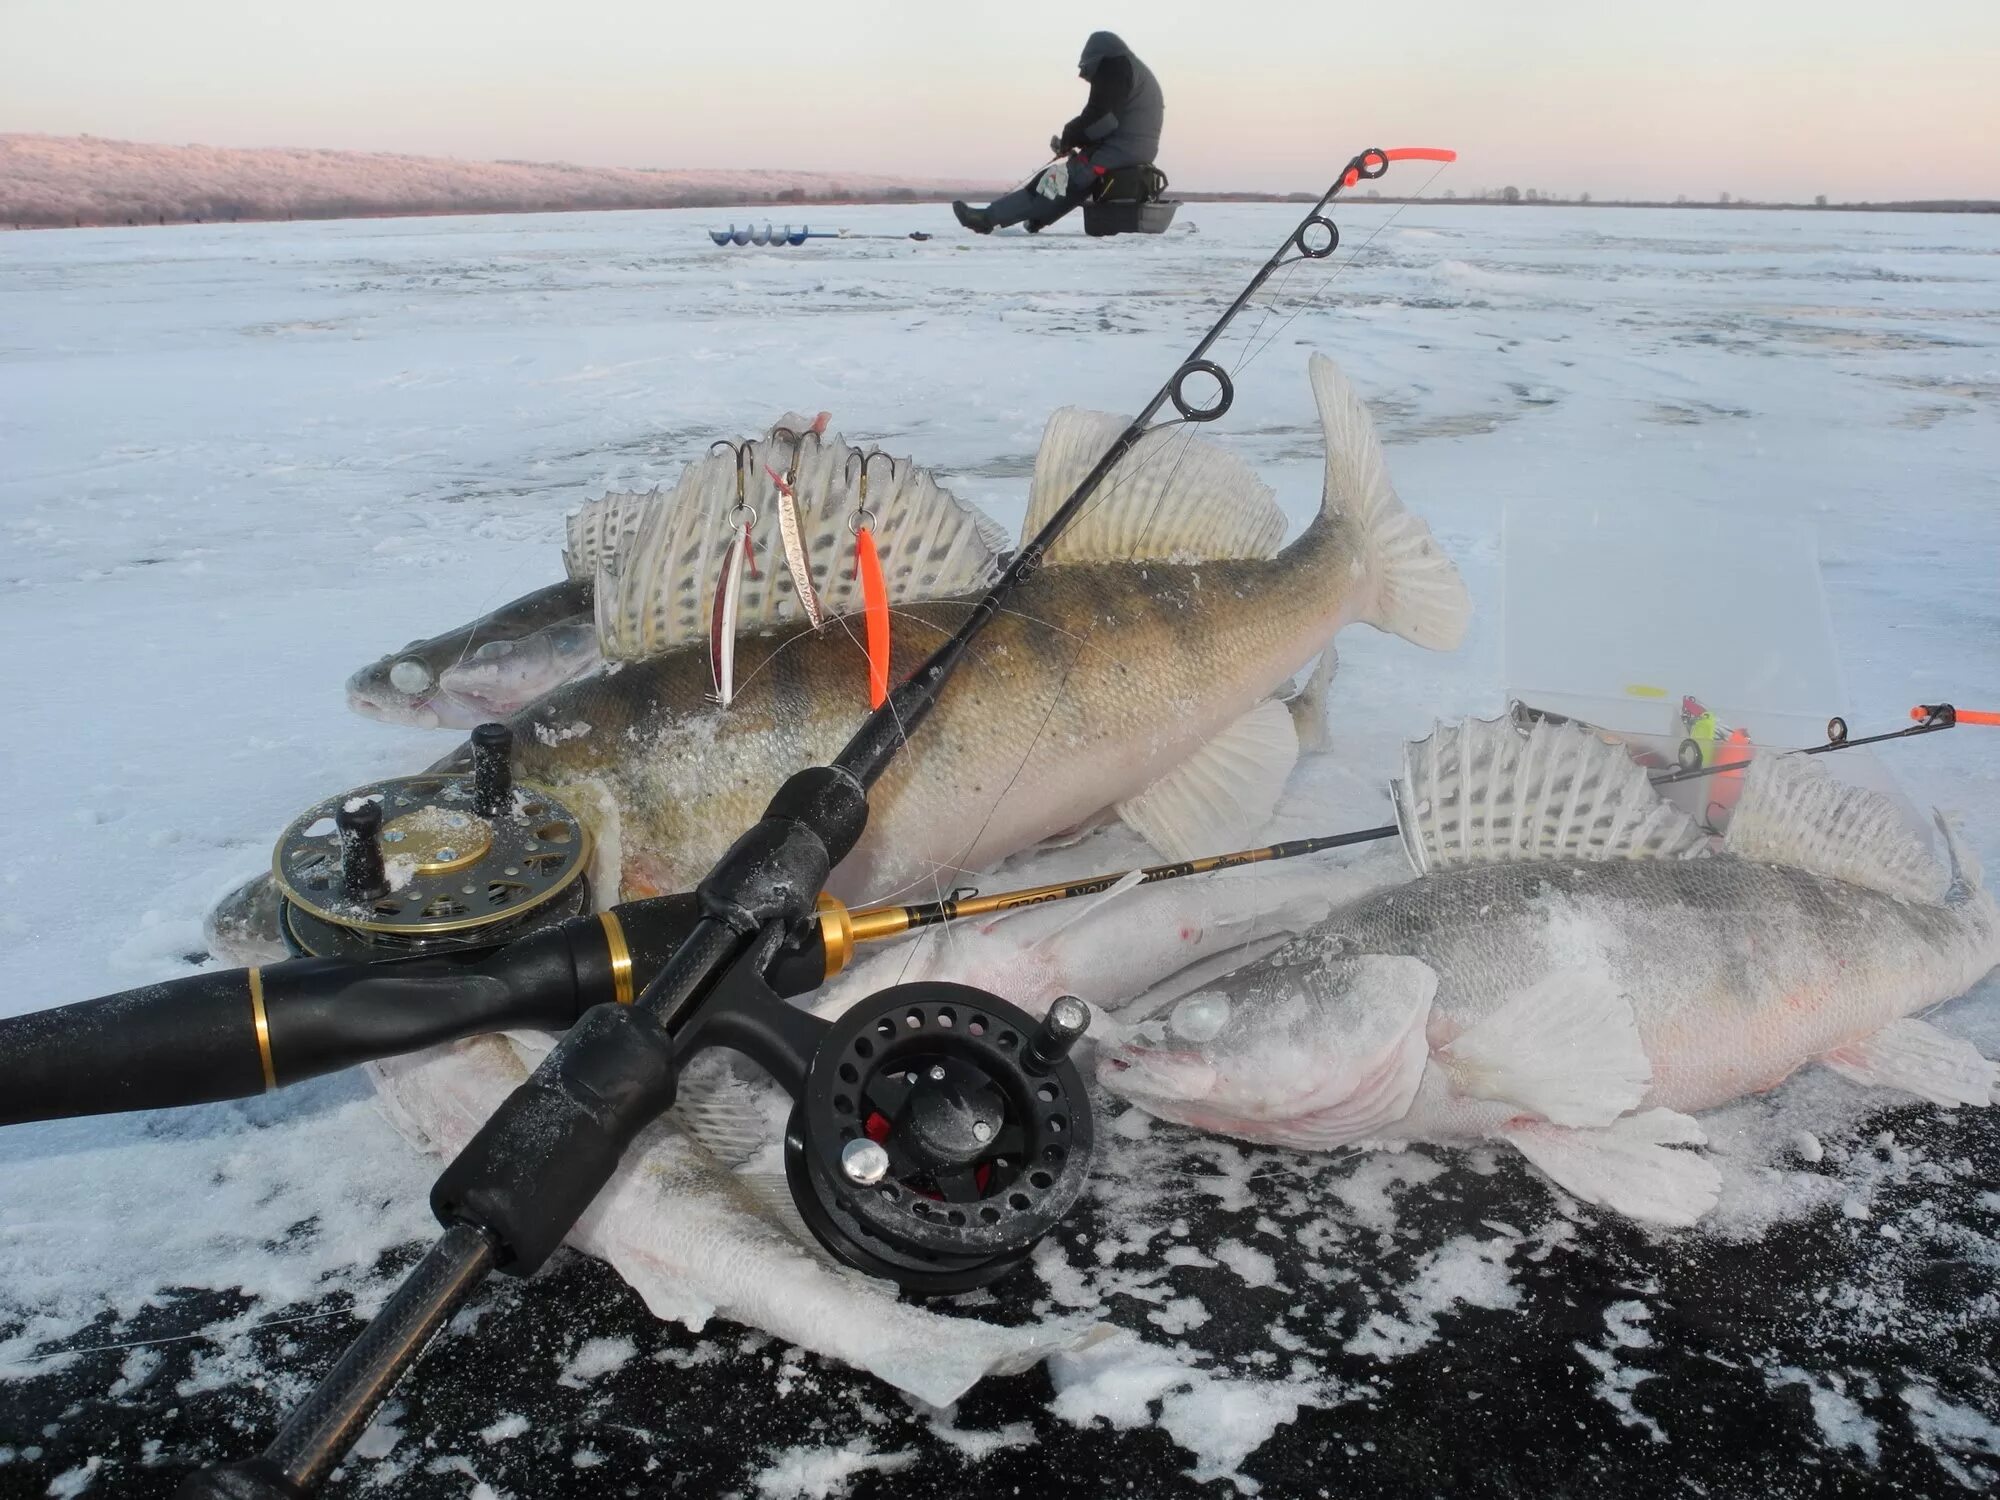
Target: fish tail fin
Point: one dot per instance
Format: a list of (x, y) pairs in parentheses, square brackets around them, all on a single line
[(1413, 589)]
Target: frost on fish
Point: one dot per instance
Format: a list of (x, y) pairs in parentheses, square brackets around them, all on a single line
[(1576, 973), (1140, 945)]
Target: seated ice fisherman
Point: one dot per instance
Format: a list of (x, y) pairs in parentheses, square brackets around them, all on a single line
[(1119, 127)]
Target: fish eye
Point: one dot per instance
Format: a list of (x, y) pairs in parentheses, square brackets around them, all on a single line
[(409, 676), (1200, 1018)]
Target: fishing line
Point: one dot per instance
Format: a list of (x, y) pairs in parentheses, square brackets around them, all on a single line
[(1330, 277), (1083, 644)]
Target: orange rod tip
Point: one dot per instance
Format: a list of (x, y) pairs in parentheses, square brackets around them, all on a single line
[(1421, 153)]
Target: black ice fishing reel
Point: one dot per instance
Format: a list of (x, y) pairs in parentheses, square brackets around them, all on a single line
[(942, 1132), (431, 863)]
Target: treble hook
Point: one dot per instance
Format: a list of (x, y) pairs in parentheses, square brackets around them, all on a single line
[(791, 480), (861, 509), (742, 452)]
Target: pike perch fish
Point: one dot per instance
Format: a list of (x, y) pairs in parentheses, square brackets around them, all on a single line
[(1134, 672), (484, 670), (1575, 972), (504, 660)]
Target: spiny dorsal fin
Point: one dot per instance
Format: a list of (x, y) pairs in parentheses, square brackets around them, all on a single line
[(1480, 792), (1173, 497), (658, 557), (605, 526), (1793, 813)]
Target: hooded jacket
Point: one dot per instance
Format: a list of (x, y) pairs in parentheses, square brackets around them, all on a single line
[(1120, 124)]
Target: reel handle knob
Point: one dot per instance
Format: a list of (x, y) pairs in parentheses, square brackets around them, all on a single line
[(362, 877), (492, 769), (1067, 1020)]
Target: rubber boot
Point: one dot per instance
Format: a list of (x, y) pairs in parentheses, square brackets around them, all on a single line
[(972, 218)]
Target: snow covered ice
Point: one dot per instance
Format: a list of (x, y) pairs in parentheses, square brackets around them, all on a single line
[(242, 460)]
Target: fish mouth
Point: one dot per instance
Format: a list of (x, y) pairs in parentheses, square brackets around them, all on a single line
[(417, 714), (1148, 1075)]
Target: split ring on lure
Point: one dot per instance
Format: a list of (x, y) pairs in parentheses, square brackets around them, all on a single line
[(789, 528), (874, 592)]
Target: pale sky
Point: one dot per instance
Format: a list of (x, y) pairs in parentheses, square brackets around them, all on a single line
[(1759, 98)]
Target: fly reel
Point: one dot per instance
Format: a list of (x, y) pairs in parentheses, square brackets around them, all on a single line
[(941, 1133), (429, 863)]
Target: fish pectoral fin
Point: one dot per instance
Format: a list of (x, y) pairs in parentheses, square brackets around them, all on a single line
[(1629, 1166), (1566, 1048), (1916, 1057), (1222, 794), (725, 1114)]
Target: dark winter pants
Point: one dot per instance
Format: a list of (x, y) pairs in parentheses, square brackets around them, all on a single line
[(1025, 205)]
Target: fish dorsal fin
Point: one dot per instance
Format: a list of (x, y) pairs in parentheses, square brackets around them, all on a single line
[(1174, 497), (1793, 813), (656, 561), (1481, 792), (603, 527)]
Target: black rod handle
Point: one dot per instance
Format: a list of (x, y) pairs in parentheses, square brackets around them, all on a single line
[(234, 1033)]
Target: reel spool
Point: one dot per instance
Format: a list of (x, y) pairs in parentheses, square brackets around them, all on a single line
[(941, 1133), (430, 863)]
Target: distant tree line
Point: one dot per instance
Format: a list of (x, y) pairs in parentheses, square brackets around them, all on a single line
[(80, 180)]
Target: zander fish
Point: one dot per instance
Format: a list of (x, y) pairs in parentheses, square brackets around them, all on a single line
[(1133, 671), (485, 670), (504, 660), (1575, 972)]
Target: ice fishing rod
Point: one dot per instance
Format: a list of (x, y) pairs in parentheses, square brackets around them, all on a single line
[(990, 1124), (874, 923), (1933, 716)]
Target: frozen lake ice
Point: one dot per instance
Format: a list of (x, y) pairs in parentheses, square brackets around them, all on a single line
[(243, 460)]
